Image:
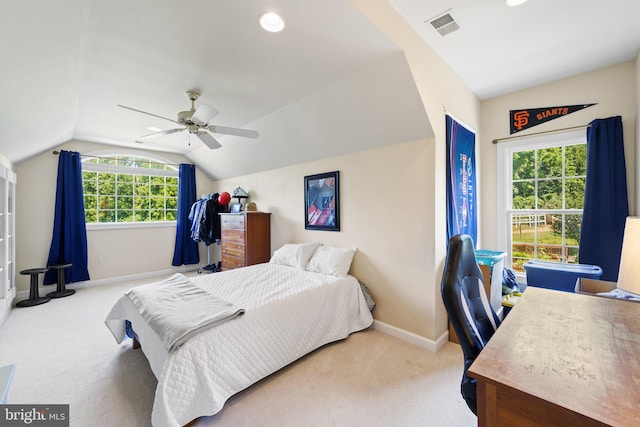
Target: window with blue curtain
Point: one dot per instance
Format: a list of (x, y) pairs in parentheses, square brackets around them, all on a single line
[(69, 240)]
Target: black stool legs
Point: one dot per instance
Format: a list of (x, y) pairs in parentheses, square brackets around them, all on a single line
[(34, 298), (61, 291)]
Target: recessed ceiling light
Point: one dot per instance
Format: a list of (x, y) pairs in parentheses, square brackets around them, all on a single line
[(271, 22), (154, 129), (515, 2)]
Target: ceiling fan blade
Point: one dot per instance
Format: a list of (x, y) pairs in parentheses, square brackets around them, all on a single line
[(233, 131), (208, 140), (162, 132), (149, 114), (204, 114)]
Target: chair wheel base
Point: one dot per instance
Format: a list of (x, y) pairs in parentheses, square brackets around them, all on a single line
[(61, 294), (32, 302)]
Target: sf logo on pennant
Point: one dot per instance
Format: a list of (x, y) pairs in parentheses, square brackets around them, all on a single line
[(520, 119)]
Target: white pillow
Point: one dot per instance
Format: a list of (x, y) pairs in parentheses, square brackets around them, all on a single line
[(330, 260), (294, 254)]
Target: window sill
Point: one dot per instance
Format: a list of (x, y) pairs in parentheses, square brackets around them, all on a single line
[(125, 225)]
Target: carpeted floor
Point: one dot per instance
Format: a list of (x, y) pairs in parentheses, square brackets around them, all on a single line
[(64, 354)]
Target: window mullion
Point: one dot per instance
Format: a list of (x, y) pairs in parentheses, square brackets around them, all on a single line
[(115, 194)]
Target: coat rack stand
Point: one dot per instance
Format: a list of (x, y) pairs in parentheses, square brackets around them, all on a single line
[(211, 268)]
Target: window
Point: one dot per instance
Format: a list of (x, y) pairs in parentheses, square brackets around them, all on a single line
[(541, 197), (127, 189)]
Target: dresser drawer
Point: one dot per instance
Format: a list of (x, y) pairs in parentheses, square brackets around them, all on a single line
[(233, 249), (235, 222), (236, 236), (231, 262)]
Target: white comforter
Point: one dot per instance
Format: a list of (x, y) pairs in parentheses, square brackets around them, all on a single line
[(288, 313)]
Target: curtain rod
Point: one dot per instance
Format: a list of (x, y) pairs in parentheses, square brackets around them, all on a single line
[(497, 140), (56, 152)]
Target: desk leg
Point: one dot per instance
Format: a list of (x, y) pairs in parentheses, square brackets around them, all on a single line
[(487, 404)]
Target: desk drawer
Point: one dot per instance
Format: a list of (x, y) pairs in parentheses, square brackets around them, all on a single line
[(232, 222)]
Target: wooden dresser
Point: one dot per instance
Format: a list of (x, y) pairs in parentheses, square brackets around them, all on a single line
[(246, 239)]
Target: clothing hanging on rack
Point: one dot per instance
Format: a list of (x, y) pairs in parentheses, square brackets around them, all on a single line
[(210, 228), (205, 225), (205, 221)]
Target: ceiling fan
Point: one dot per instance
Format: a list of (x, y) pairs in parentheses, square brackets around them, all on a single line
[(196, 122)]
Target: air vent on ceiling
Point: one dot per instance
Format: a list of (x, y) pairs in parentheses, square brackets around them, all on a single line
[(445, 24)]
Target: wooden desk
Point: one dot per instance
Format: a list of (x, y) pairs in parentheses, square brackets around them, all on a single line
[(562, 359)]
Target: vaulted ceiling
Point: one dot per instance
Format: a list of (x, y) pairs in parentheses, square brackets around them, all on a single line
[(500, 49), (329, 84)]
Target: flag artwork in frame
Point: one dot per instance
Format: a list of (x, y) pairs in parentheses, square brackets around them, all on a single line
[(322, 201)]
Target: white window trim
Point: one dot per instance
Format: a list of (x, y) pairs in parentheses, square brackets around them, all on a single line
[(130, 170), (116, 225), (89, 166), (505, 170), (130, 153)]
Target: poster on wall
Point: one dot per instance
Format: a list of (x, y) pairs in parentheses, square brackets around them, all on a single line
[(322, 201), (462, 215), (530, 117)]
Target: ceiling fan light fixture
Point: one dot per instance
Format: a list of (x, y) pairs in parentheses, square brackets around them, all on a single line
[(195, 121), (271, 22), (513, 3)]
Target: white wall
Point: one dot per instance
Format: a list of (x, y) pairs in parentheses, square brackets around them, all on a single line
[(112, 252), (612, 88), (382, 214), (440, 89)]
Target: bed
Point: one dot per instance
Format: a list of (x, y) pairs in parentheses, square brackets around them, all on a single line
[(288, 311)]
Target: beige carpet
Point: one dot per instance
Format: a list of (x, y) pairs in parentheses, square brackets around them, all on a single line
[(64, 354)]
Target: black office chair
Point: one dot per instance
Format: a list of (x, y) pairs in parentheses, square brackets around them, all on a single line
[(465, 299)]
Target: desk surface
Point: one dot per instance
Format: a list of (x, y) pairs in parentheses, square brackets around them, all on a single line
[(577, 353)]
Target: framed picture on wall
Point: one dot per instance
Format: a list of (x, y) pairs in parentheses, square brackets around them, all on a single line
[(322, 201)]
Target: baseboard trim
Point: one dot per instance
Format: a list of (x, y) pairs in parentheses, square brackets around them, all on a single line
[(43, 290), (410, 337)]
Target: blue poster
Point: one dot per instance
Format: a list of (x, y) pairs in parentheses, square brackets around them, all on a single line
[(462, 213)]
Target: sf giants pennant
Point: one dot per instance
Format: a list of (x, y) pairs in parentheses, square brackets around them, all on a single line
[(524, 119)]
